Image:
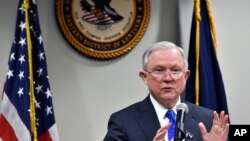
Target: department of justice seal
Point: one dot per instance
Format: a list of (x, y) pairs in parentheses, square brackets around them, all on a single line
[(103, 29)]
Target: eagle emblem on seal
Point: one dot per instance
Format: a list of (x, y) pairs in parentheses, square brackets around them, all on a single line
[(99, 12)]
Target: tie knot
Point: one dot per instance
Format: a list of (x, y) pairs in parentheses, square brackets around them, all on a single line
[(170, 115)]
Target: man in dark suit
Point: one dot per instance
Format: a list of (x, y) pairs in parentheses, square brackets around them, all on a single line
[(165, 72)]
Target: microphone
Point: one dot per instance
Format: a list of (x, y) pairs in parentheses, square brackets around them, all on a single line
[(182, 110)]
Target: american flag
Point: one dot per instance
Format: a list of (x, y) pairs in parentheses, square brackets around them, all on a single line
[(27, 112)]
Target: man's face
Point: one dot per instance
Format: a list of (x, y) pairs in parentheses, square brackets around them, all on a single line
[(166, 75)]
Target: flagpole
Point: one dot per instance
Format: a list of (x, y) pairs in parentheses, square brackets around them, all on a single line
[(32, 97)]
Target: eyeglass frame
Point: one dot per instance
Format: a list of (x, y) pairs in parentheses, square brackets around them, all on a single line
[(161, 73)]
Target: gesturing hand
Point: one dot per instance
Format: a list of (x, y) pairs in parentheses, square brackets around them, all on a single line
[(160, 135), (220, 128)]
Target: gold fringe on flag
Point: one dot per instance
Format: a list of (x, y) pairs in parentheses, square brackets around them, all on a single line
[(212, 23), (197, 46)]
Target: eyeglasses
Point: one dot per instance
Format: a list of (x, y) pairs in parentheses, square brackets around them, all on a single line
[(175, 73)]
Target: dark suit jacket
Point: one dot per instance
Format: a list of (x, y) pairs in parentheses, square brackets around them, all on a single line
[(139, 122)]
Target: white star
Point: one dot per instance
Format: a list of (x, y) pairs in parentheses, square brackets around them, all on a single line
[(37, 121), (37, 104), (34, 1), (22, 41), (48, 93), (40, 39), (48, 110), (39, 88), (31, 28), (40, 72), (22, 9), (22, 25), (32, 12), (10, 74), (12, 56), (20, 92), (41, 56), (21, 59), (21, 75)]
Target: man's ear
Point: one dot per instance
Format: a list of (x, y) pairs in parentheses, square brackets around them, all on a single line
[(187, 74), (143, 76)]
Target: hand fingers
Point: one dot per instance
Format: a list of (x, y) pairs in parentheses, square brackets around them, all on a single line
[(222, 125), (216, 118), (223, 120), (202, 128), (165, 127), (226, 129), (160, 135)]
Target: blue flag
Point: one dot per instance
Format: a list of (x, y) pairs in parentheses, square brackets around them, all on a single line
[(27, 111), (205, 85)]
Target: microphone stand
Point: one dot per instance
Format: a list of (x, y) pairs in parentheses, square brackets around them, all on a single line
[(179, 133)]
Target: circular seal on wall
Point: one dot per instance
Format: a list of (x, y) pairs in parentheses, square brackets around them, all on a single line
[(103, 29)]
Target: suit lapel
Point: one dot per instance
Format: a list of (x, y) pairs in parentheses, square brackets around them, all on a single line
[(147, 119), (191, 123)]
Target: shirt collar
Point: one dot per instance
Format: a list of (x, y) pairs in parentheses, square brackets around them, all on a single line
[(160, 109)]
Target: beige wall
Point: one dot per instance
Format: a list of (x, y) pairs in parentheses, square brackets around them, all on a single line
[(86, 92)]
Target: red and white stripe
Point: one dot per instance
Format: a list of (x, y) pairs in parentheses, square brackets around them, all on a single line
[(13, 129)]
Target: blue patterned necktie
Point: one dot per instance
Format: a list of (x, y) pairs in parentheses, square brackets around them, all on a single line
[(171, 116)]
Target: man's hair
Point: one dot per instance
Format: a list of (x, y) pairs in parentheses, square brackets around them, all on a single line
[(162, 45)]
